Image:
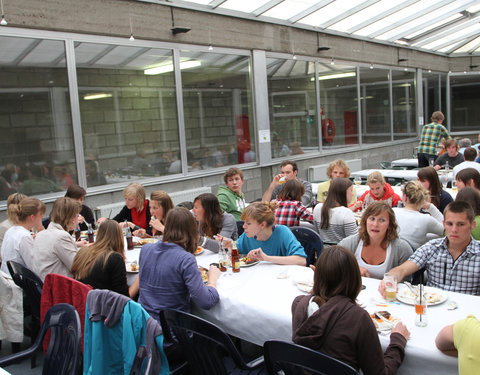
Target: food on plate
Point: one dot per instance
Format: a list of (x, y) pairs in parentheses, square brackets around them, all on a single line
[(383, 320), (432, 295), (199, 250), (144, 241), (132, 267), (247, 260), (204, 273)]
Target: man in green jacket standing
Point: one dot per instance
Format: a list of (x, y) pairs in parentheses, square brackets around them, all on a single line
[(231, 198)]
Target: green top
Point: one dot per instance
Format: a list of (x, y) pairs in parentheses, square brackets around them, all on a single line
[(476, 230), (231, 202)]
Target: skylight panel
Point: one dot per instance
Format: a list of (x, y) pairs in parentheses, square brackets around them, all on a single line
[(434, 25), (246, 6), (289, 8), (474, 44), (452, 37), (328, 12)]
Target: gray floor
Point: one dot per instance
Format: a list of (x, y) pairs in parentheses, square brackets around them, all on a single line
[(22, 368)]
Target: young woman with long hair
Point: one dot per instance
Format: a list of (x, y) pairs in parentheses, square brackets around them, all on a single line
[(169, 277), (330, 321), (18, 241), (429, 178), (377, 246), (102, 265), (12, 202), (212, 221), (160, 204), (333, 219), (290, 207)]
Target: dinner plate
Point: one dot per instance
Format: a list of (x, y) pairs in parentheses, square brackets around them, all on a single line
[(383, 324), (199, 250), (304, 286), (129, 267), (204, 273), (245, 264), (434, 296), (144, 241)]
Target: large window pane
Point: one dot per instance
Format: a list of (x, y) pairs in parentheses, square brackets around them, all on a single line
[(403, 88), (338, 98), (217, 102), (465, 102), (375, 99), (36, 152), (128, 112), (292, 105)]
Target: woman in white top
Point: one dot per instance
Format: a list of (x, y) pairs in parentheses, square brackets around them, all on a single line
[(414, 226), (377, 246), (12, 202), (333, 219), (18, 241)]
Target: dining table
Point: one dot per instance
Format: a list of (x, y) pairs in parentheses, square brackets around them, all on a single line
[(255, 305)]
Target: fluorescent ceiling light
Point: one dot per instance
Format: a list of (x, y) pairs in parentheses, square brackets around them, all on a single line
[(169, 67), (100, 95), (334, 76)]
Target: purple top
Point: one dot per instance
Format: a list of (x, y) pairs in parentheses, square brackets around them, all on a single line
[(169, 278)]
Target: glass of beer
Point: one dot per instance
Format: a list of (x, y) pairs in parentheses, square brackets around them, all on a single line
[(390, 286)]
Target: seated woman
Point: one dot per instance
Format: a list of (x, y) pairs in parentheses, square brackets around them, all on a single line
[(468, 177), (330, 321), (337, 168), (377, 246), (213, 221), (169, 277), (54, 249), (379, 191), (290, 208), (472, 197), (102, 265), (333, 219), (12, 202), (160, 204), (429, 179), (78, 193), (264, 241), (415, 226), (18, 241), (136, 211)]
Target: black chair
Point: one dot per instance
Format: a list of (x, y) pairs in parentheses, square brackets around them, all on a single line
[(63, 355), (311, 242), (209, 350), (32, 287), (240, 227), (142, 362), (293, 359)]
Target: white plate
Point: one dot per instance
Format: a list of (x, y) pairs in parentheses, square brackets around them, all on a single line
[(198, 251), (434, 296), (128, 266), (243, 264), (304, 286), (384, 324)]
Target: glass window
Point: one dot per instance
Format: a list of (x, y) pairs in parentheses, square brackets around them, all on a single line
[(128, 112), (375, 99), (338, 99), (217, 102), (465, 102), (37, 152), (292, 106), (403, 89)]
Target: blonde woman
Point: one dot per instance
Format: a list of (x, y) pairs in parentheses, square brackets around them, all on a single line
[(160, 204), (18, 242), (414, 226), (337, 168), (102, 265), (136, 211), (10, 221), (54, 249), (263, 240), (380, 190)]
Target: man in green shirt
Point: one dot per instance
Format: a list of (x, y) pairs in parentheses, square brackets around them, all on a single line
[(231, 198)]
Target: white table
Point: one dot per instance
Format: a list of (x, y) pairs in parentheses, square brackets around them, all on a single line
[(255, 305), (407, 163)]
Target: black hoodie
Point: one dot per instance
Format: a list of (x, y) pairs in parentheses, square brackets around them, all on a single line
[(345, 331)]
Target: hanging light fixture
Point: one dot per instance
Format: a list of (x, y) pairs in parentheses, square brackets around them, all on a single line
[(3, 22), (131, 30), (332, 62)]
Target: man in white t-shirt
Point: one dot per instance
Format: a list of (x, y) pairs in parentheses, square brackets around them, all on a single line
[(469, 154)]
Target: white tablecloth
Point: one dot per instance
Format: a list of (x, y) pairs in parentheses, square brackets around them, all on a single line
[(255, 305)]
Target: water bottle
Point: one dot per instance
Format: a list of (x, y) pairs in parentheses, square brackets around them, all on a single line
[(447, 167)]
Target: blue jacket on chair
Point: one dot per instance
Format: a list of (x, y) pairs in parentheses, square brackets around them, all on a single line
[(115, 326)]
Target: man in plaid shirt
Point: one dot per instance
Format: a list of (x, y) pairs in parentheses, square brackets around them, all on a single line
[(453, 262), (430, 138)]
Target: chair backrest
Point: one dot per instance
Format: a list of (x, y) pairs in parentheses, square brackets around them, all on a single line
[(204, 344), (240, 229), (293, 359), (29, 282), (142, 362), (311, 242)]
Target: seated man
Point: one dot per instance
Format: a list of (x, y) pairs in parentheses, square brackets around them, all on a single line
[(289, 170), (230, 197), (380, 190), (452, 262), (337, 168), (462, 340), (469, 154), (452, 156)]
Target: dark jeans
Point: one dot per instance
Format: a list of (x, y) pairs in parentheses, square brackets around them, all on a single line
[(424, 159)]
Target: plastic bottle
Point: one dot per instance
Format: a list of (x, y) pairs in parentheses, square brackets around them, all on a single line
[(91, 236), (129, 238)]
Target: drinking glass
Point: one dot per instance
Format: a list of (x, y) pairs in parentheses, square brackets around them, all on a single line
[(421, 308), (454, 186), (357, 180), (445, 180), (390, 281)]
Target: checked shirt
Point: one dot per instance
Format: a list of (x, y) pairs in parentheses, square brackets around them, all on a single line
[(430, 138), (289, 213)]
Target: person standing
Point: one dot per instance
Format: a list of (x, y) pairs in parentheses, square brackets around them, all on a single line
[(230, 196), (430, 137)]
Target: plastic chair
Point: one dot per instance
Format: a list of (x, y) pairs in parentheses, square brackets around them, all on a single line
[(240, 227), (208, 349), (32, 287), (293, 359), (63, 355), (142, 362), (311, 242)]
